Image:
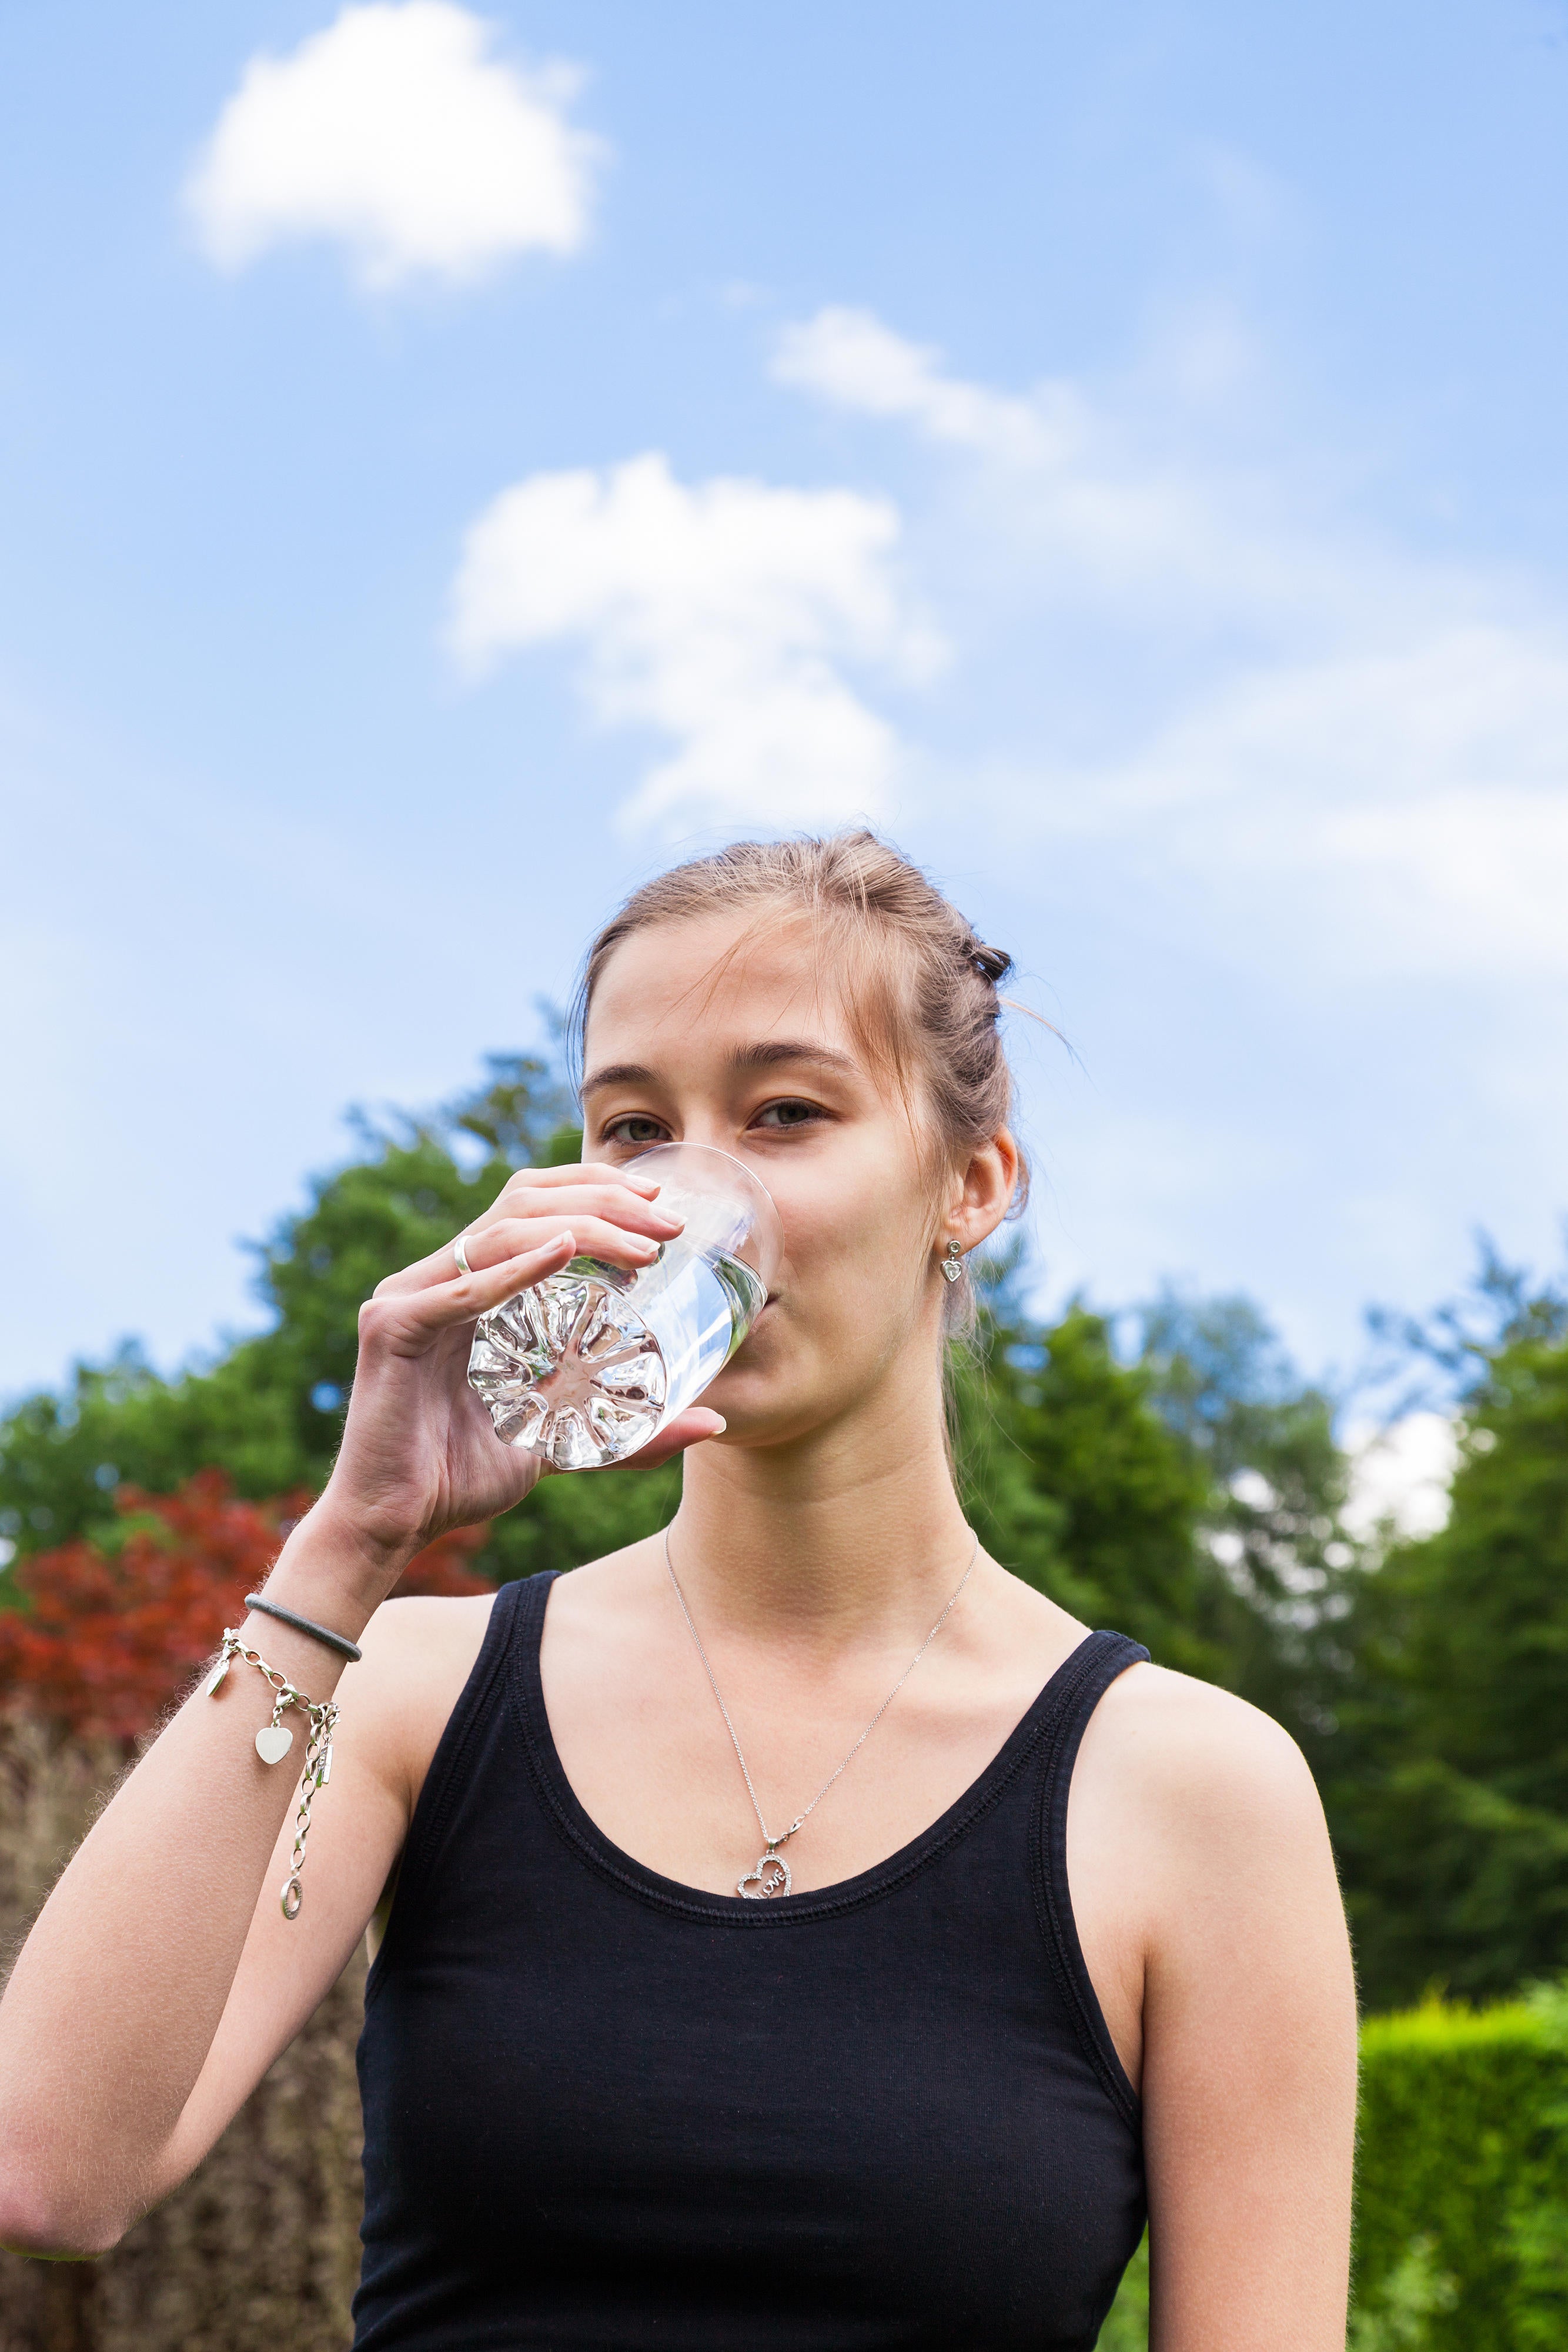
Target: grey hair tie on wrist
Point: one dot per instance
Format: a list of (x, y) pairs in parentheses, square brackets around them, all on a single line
[(338, 1641)]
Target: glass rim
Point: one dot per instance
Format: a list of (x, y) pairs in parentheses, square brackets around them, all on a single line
[(766, 1224), (712, 1151)]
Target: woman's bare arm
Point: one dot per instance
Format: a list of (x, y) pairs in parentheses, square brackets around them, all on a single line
[(115, 2000), (126, 2041), (1223, 1902), (418, 1656)]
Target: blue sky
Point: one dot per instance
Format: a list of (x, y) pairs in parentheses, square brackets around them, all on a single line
[(1120, 451)]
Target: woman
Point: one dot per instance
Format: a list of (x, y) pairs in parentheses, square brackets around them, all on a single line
[(1058, 1924)]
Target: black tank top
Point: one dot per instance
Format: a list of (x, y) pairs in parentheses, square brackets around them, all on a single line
[(603, 2109)]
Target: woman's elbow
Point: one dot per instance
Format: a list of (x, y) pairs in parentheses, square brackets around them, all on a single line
[(51, 2227)]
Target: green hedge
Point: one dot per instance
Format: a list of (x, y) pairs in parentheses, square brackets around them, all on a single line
[(1461, 2239)]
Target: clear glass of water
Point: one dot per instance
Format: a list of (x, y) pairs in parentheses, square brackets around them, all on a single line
[(585, 1367)]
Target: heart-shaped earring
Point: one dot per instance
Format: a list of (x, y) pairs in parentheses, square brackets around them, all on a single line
[(273, 1743), (953, 1263)]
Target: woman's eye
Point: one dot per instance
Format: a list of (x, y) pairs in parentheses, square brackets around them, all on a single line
[(634, 1129), (787, 1114)]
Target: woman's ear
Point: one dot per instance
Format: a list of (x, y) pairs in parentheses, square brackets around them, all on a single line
[(984, 1193)]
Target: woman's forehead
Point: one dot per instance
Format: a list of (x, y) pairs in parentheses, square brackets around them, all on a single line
[(722, 973)]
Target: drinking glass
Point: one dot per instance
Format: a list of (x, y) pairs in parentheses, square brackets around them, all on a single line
[(583, 1367)]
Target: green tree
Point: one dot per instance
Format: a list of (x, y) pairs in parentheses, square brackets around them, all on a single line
[(1450, 1798), (1276, 1484), (1076, 1484)]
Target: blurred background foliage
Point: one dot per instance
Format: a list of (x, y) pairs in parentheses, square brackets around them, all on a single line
[(1168, 1472)]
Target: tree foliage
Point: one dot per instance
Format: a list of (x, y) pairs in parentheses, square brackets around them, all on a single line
[(110, 1632), (1076, 1484), (1450, 1796), (1276, 1482)]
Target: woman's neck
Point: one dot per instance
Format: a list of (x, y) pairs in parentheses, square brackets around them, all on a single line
[(825, 1539)]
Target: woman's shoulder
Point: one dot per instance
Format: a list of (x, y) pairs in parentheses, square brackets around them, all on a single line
[(1200, 1780), (423, 1627), (1193, 1726), (419, 1652), (1198, 1858), (422, 1641)]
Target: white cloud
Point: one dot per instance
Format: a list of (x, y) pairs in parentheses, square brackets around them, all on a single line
[(1278, 694), (1417, 796), (1488, 873), (396, 134), (850, 358), (1401, 1475), (1093, 505), (720, 616)]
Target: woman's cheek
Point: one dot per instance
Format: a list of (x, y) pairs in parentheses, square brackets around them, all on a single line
[(858, 1309)]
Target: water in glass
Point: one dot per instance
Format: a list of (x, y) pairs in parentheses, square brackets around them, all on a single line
[(586, 1365)]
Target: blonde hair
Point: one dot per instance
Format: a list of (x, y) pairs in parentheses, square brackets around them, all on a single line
[(918, 986)]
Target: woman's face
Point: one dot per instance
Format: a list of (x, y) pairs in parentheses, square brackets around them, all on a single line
[(753, 1056)]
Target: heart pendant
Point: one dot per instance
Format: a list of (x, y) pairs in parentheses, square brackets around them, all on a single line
[(769, 1877), (273, 1743)]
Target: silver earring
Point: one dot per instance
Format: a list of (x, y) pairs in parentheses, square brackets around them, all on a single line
[(953, 1263)]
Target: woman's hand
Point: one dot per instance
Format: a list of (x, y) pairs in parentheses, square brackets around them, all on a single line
[(419, 1454)]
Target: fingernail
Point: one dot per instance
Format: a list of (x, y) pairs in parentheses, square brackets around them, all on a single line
[(723, 1425), (567, 1242), (644, 1185)]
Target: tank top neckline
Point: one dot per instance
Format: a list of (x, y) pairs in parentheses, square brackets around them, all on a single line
[(1051, 1702)]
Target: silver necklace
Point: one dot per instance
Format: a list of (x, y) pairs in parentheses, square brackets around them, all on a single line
[(769, 1875)]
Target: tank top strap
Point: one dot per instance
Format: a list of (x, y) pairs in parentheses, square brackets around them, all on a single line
[(517, 1617), (1077, 1689), (525, 1602)]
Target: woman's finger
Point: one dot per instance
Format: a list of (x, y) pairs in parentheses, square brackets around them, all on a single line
[(404, 1322), (492, 1245), (596, 1237), (583, 1172), (492, 1239), (611, 1202)]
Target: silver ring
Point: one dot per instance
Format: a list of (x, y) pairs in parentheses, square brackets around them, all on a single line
[(460, 1254)]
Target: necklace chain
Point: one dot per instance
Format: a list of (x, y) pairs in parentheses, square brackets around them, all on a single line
[(770, 1854)]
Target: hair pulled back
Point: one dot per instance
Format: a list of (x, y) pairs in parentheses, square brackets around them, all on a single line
[(918, 987)]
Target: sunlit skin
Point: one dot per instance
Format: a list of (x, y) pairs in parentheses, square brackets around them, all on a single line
[(818, 1538)]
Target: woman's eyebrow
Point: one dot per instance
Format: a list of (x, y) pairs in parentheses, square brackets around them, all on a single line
[(619, 1074), (775, 1050), (766, 1055)]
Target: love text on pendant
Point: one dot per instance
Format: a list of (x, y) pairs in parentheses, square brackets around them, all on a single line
[(769, 1876)]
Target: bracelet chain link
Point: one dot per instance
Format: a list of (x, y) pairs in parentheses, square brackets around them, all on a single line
[(273, 1743)]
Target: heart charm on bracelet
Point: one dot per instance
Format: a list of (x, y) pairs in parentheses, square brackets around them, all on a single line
[(273, 1743)]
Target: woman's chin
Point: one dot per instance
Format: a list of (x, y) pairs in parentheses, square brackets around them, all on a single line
[(753, 1394)]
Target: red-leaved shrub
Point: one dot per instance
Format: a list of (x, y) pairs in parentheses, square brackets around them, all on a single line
[(110, 1636)]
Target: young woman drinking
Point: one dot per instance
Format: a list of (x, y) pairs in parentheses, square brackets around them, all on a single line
[(1061, 1930)]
